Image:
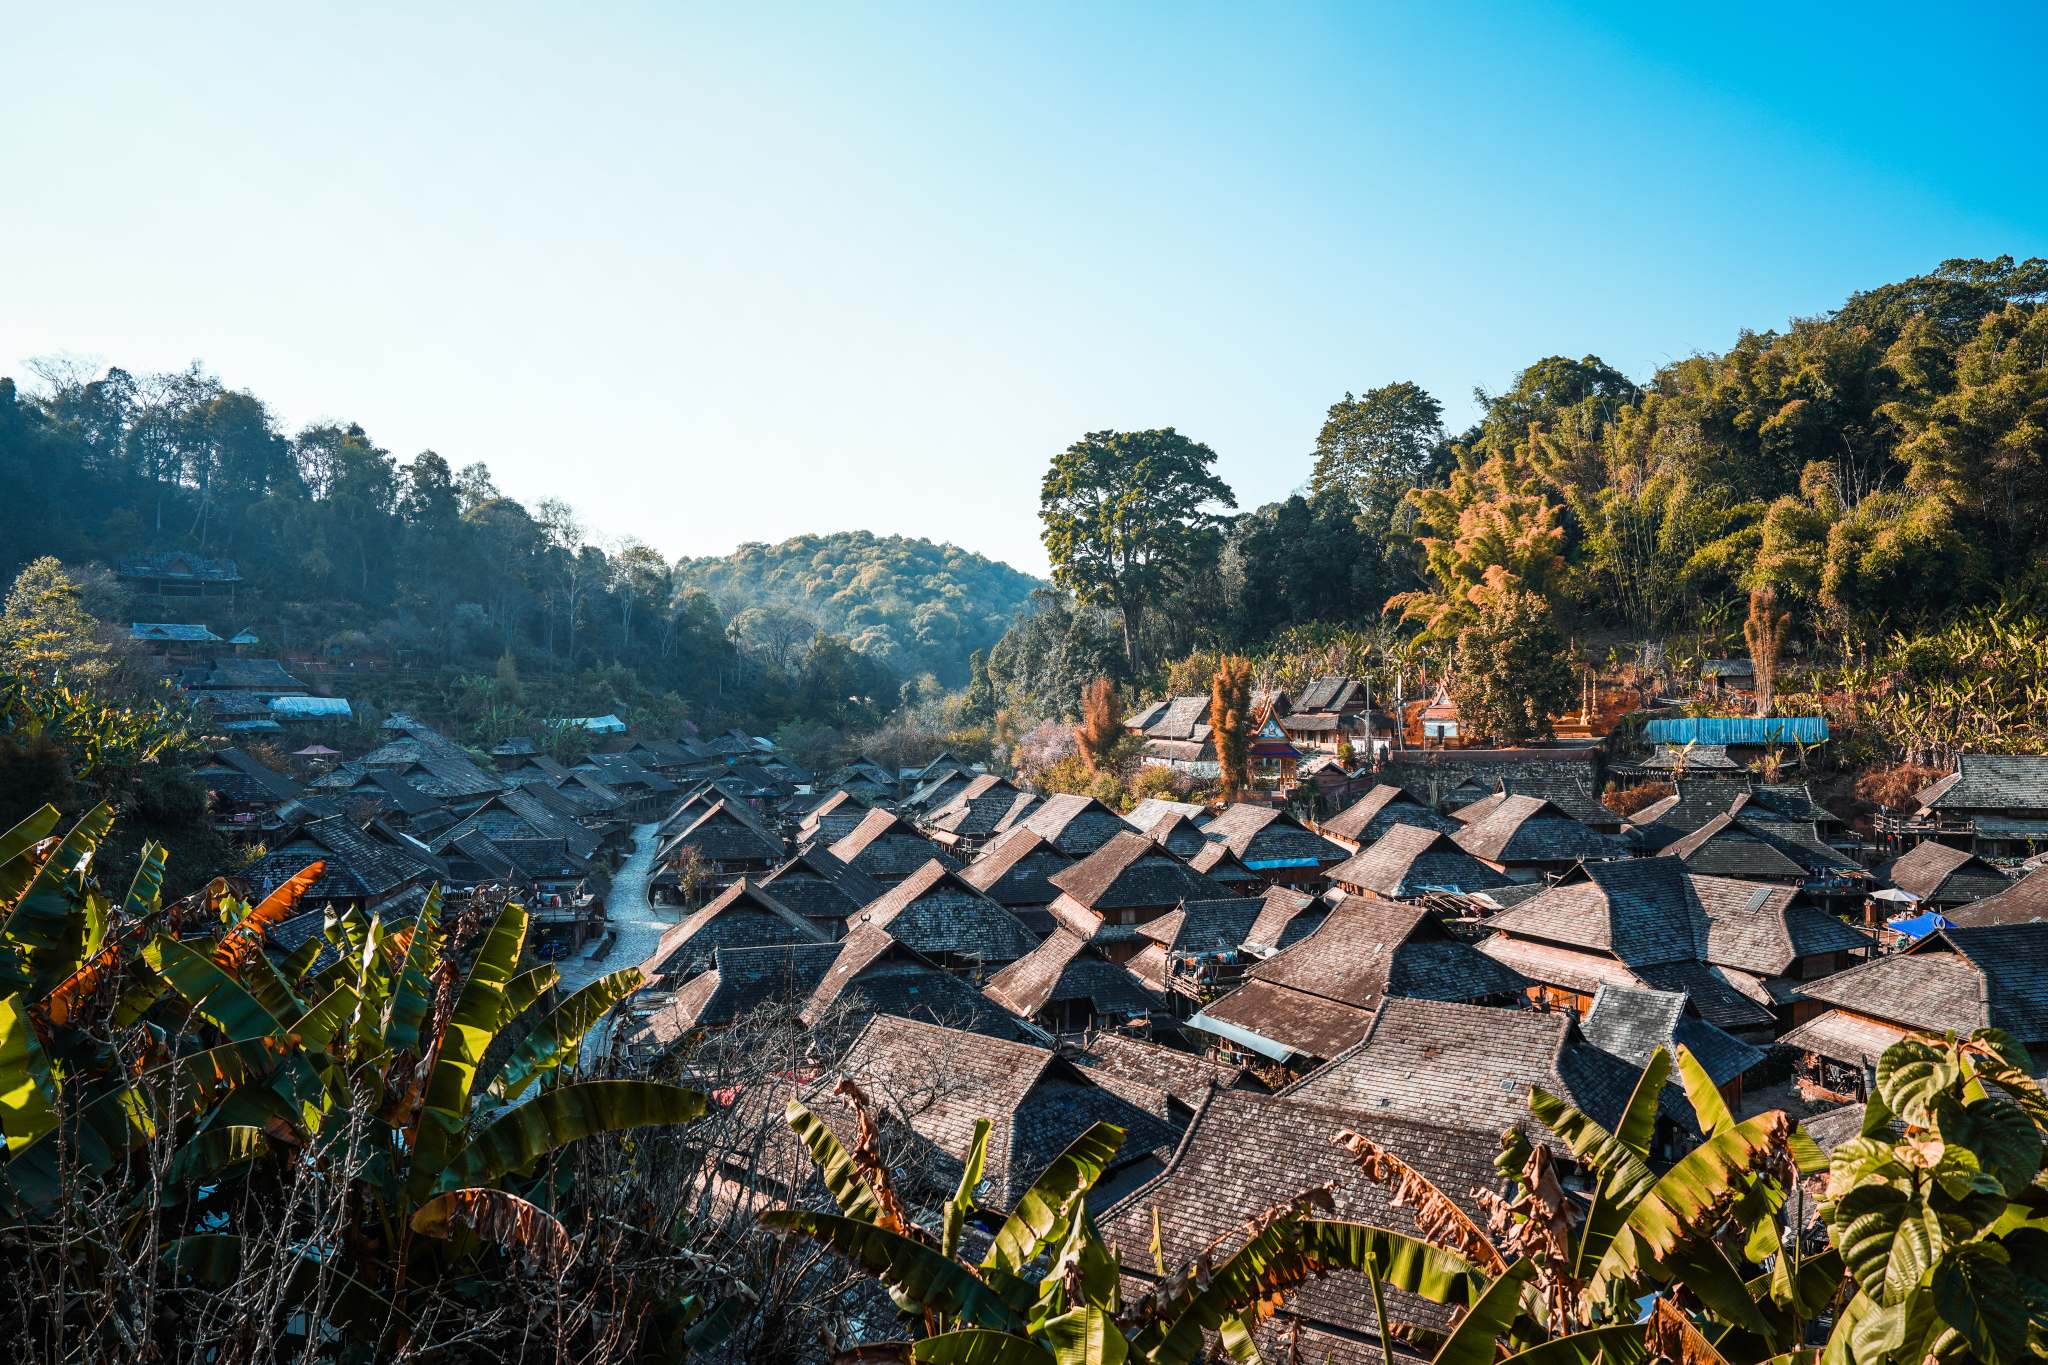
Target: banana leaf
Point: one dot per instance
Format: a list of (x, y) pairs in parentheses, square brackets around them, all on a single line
[(412, 993), (464, 1039), (332, 1297), (1707, 1103), (1473, 1340), (1619, 1159), (522, 990), (1040, 1215), (1623, 1345), (211, 992), (842, 1178), (1696, 1184), (44, 938), (1702, 1267), (558, 1037), (962, 1203), (146, 889), (18, 863), (302, 959), (503, 1219), (25, 1086), (557, 1118), (717, 1324), (910, 1268), (262, 979), (1086, 1336), (317, 1026), (209, 1154), (245, 937), (978, 1346)]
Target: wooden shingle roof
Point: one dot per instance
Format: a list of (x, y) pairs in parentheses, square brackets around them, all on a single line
[(818, 886), (1991, 782), (1370, 817), (1017, 871), (1076, 825), (1529, 829), (1409, 860), (1170, 1071), (745, 916), (1066, 968), (874, 972), (1130, 870), (935, 910), (886, 848), (1266, 836), (1935, 872)]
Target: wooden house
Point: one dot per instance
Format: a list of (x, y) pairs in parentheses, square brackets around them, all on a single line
[(1279, 848), (745, 916), (1367, 820), (1632, 1023), (822, 889), (1994, 805), (729, 837), (1160, 1080), (948, 920), (1410, 862), (1310, 1002), (1016, 872), (1129, 880), (177, 575), (1066, 985), (887, 849), (1526, 837), (1076, 825)]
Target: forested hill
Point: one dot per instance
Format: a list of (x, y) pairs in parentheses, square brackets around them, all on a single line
[(914, 605)]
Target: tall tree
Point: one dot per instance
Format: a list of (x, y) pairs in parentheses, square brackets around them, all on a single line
[(1375, 447), (1509, 675), (1230, 721), (1124, 520), (1102, 725)]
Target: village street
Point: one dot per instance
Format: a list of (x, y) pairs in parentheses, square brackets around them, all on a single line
[(635, 921)]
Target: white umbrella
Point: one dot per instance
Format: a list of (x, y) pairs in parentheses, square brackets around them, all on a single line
[(1891, 894)]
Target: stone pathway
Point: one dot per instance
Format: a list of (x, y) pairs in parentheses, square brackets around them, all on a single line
[(637, 923)]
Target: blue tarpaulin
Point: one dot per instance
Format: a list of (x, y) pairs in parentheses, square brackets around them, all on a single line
[(1919, 926), (1739, 730)]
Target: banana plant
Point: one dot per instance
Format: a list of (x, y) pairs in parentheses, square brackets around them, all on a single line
[(1048, 1287), (119, 1038)]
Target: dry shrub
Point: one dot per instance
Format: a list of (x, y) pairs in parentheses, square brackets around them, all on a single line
[(1893, 786), (1102, 725), (1629, 800)]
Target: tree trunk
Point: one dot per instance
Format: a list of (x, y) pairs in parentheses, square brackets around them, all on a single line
[(1130, 617)]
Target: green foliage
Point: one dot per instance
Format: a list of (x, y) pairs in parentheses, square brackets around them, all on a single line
[(1373, 449), (1125, 520), (1509, 674)]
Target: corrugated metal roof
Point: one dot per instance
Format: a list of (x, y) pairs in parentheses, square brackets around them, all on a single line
[(1738, 730)]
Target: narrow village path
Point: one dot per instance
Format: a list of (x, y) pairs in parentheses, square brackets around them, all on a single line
[(630, 915)]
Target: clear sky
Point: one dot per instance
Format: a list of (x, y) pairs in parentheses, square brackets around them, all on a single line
[(739, 272)]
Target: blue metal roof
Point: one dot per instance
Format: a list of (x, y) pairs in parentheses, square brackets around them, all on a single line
[(1739, 730)]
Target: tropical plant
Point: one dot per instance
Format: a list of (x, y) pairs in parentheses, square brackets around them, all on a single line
[(348, 1145)]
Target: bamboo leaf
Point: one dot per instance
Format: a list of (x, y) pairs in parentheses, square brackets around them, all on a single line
[(1041, 1212), (910, 1268)]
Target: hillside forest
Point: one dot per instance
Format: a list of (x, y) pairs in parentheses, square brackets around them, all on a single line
[(1877, 471)]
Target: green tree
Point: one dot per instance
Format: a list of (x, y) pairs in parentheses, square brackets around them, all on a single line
[(978, 707), (1508, 670), (1372, 449), (1124, 520), (45, 629)]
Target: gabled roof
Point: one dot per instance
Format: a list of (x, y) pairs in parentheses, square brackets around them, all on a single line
[(722, 834), (818, 886), (883, 846), (876, 972), (1640, 910), (273, 785), (935, 911), (940, 789), (1266, 836), (1331, 694), (1760, 928), (1181, 718), (619, 770), (1472, 1066), (1961, 978), (2024, 902), (1077, 824), (1574, 796), (1934, 871), (1370, 817), (746, 916), (1177, 834), (1367, 951), (1170, 1071), (1018, 870), (1219, 864), (1146, 815), (1727, 848), (1632, 1023), (1245, 1152), (740, 981), (1528, 829), (839, 804), (1130, 870), (158, 630), (1065, 968), (1212, 926), (357, 865), (1410, 860), (1991, 782), (1285, 917), (1283, 1023), (973, 817), (1036, 1102)]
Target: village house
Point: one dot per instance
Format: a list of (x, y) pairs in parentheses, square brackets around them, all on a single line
[(1129, 880), (1331, 712), (1744, 952), (1076, 825), (822, 889), (1066, 985), (173, 642), (745, 916), (1197, 951), (1146, 815), (1016, 873), (1311, 1001), (1959, 979), (1569, 793), (965, 826), (831, 819), (2023, 902), (1176, 734), (729, 837), (1279, 848), (1226, 869), (1177, 834), (358, 872), (242, 789), (940, 790), (1527, 837), (1410, 862), (177, 575), (887, 849), (1368, 819), (642, 790), (1632, 1023), (941, 1082), (1160, 1080), (867, 779), (1994, 805), (876, 973), (947, 920)]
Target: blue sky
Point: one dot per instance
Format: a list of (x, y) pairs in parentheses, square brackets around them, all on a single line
[(740, 272)]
